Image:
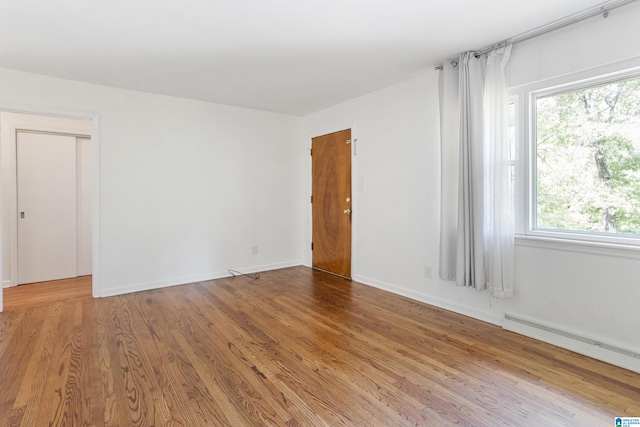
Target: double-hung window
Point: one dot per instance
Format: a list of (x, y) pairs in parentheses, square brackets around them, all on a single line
[(584, 165)]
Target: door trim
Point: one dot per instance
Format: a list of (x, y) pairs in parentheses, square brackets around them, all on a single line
[(94, 119), (307, 258)]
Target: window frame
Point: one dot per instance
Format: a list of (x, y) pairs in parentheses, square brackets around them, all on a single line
[(518, 163), (525, 99)]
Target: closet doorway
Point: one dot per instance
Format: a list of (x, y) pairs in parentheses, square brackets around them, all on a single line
[(46, 198)]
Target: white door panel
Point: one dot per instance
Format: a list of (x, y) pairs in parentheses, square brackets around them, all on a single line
[(84, 206), (46, 192)]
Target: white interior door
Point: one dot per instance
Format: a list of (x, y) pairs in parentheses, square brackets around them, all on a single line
[(46, 192)]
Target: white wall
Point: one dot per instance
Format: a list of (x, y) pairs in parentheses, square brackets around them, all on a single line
[(396, 217), (186, 188)]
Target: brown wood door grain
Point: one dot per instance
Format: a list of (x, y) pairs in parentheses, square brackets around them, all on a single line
[(331, 202)]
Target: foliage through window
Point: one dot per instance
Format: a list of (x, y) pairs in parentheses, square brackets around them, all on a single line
[(587, 162)]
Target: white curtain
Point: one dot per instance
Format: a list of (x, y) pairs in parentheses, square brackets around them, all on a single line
[(499, 217), (470, 268), (449, 154), (476, 240)]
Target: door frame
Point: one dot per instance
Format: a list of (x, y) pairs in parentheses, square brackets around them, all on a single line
[(354, 198), (94, 119)]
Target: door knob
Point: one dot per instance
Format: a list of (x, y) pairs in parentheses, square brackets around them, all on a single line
[(347, 211)]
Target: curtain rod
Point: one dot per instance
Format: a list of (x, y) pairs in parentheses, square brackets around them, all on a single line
[(602, 9)]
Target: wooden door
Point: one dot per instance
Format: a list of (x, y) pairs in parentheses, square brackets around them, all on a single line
[(46, 190), (331, 202)]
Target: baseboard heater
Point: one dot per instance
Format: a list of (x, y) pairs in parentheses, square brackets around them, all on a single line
[(573, 336)]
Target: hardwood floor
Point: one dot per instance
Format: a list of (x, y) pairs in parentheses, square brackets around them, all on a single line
[(47, 292), (296, 347)]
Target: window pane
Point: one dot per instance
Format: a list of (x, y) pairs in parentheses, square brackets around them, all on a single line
[(511, 110), (588, 159)]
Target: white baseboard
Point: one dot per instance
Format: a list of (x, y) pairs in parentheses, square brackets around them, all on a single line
[(485, 316), (147, 286), (622, 356), (6, 283)]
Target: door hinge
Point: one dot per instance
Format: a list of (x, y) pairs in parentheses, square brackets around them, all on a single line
[(311, 151), (311, 245), (311, 199)]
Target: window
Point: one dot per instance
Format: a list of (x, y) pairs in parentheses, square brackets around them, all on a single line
[(585, 174)]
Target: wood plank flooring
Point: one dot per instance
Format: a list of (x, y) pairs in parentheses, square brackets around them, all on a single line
[(47, 292), (296, 347)]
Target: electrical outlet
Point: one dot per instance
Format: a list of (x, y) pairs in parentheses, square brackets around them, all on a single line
[(254, 250), (427, 271)]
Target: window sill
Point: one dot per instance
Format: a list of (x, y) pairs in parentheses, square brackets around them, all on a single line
[(579, 246)]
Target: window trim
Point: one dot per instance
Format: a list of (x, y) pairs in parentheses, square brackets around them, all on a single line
[(525, 98), (588, 247)]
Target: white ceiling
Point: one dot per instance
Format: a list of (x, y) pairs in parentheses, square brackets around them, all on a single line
[(288, 56)]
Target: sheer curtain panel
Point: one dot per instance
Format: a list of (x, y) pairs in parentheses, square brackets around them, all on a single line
[(499, 217), (476, 234)]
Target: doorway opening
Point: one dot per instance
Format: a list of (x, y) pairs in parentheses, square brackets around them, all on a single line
[(49, 200)]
